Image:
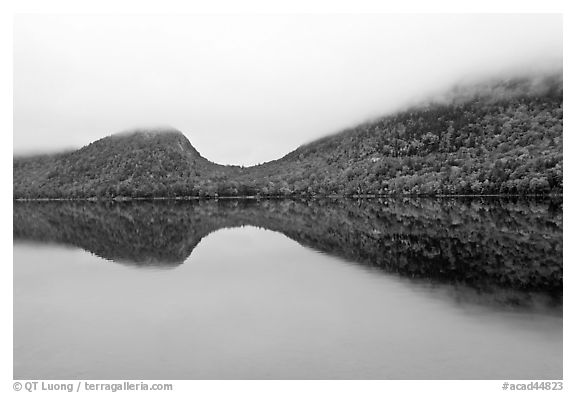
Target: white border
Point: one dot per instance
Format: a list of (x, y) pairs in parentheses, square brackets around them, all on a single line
[(10, 8)]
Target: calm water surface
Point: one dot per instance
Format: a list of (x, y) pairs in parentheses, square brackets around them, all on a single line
[(288, 290)]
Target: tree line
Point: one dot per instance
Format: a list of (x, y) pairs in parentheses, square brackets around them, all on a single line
[(511, 144)]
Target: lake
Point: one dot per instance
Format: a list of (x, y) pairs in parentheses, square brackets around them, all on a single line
[(404, 288)]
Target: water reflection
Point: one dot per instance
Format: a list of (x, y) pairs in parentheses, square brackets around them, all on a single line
[(481, 243), (400, 288)]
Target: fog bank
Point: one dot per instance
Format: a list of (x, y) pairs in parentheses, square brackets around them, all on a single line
[(249, 89)]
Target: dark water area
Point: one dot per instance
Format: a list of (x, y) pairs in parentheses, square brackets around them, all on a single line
[(405, 288)]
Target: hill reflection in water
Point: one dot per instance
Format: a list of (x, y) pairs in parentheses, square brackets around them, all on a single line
[(475, 243)]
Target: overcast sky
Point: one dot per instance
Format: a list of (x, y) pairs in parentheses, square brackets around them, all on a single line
[(248, 89)]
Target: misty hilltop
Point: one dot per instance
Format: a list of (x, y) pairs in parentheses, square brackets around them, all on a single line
[(502, 137)]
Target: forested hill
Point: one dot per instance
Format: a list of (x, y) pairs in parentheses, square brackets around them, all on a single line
[(137, 163), (497, 138)]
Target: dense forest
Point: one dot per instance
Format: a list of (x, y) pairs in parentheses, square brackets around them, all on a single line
[(502, 137), (480, 243)]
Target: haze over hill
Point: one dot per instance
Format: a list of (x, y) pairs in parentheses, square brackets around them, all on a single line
[(247, 89), (501, 137)]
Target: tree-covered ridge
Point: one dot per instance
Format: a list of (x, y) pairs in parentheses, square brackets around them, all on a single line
[(489, 144), (479, 243), (505, 138), (146, 163)]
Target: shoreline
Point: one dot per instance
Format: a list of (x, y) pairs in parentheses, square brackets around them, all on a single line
[(303, 197)]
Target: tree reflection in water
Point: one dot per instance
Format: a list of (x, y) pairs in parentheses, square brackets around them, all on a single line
[(475, 243)]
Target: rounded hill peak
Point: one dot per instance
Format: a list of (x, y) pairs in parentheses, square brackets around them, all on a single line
[(149, 131)]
